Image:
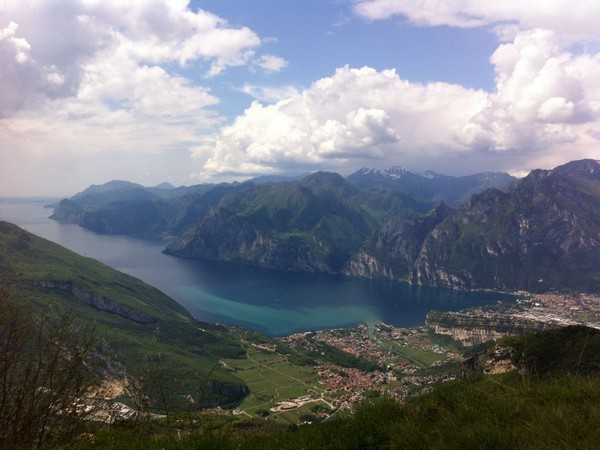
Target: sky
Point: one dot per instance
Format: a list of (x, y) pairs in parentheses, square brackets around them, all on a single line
[(219, 90)]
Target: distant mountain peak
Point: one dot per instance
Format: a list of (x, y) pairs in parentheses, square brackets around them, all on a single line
[(165, 186), (110, 186), (115, 184), (396, 171), (589, 168), (323, 176), (391, 172)]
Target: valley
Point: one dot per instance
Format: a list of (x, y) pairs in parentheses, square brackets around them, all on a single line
[(294, 303)]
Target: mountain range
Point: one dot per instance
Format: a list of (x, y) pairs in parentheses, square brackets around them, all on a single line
[(483, 231)]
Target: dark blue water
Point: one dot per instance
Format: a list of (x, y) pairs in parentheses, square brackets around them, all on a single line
[(272, 302)]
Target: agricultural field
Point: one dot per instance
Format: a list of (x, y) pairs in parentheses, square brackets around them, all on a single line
[(419, 357), (272, 378)]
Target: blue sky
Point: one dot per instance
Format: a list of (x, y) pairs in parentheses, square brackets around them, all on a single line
[(318, 36), (191, 91)]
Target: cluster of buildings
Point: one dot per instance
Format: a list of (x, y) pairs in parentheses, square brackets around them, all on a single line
[(383, 344), (410, 361), (347, 386), (561, 309)]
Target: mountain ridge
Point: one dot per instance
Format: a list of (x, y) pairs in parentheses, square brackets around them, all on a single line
[(370, 225), (543, 234)]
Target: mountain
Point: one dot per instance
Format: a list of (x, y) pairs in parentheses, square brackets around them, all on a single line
[(268, 179), (392, 251), (430, 186), (537, 233), (315, 224), (165, 186), (131, 209), (136, 323), (541, 235), (164, 211)]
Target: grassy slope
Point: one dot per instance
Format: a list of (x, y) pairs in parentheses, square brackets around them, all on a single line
[(188, 349)]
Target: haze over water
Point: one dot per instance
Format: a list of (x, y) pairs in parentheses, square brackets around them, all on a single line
[(272, 302)]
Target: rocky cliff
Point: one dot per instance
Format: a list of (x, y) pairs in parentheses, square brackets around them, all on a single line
[(95, 300), (392, 251), (544, 234), (473, 328)]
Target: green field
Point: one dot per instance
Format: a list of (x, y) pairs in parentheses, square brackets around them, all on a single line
[(271, 379), (420, 358)]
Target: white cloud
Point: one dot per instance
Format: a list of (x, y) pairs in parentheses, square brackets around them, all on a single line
[(545, 96), (269, 94), (44, 45), (272, 63), (575, 20), (354, 114), (92, 82), (545, 110)]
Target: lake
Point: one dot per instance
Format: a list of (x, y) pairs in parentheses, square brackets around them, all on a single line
[(271, 302)]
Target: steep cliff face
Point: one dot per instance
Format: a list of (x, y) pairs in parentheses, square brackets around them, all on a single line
[(476, 328), (542, 235), (391, 253), (231, 239)]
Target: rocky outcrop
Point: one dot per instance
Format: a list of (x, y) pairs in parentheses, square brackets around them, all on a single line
[(474, 328), (365, 265), (96, 301)]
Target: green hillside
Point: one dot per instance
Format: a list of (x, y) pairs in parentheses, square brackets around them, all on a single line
[(315, 224), (136, 323)]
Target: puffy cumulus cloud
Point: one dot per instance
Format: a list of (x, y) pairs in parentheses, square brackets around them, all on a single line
[(126, 121), (545, 96), (46, 44), (90, 88), (578, 21), (545, 110), (356, 114)]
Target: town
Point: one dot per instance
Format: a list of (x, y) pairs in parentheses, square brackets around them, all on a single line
[(346, 365)]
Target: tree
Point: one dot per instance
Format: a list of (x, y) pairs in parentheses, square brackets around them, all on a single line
[(44, 374)]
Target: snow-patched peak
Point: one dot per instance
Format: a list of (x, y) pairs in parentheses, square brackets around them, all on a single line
[(391, 172), (397, 172)]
